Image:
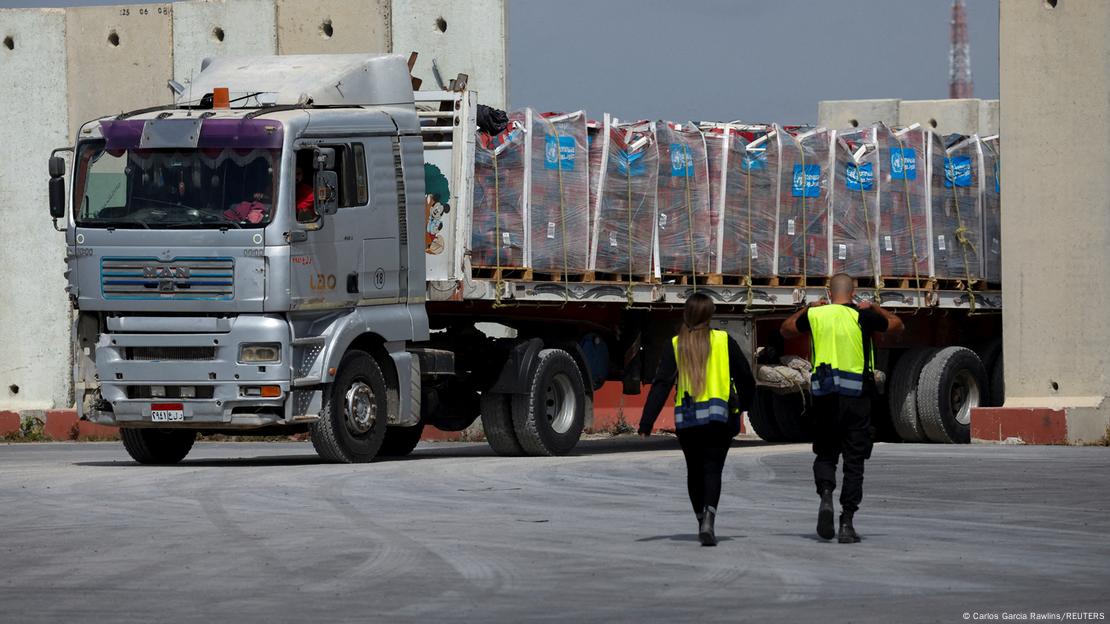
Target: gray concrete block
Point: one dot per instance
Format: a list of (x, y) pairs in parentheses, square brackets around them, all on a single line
[(1053, 65), (988, 118), (332, 26), (942, 116), (34, 312), (842, 114), (461, 37), (205, 28), (118, 58)]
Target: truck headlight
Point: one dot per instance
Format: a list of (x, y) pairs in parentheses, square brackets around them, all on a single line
[(259, 352)]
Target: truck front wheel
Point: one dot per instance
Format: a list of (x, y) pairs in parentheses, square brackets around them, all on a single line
[(353, 420), (400, 441), (549, 418), (157, 446), (951, 383)]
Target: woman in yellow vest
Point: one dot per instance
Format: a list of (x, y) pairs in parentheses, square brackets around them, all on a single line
[(710, 369)]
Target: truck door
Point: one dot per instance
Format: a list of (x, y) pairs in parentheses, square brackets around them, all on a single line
[(328, 264)]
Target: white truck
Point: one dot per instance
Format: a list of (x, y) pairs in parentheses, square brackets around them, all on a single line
[(253, 262)]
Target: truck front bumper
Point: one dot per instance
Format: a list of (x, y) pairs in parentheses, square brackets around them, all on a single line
[(201, 372)]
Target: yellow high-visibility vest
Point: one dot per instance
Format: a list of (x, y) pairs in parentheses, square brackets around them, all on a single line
[(838, 345), (712, 403)]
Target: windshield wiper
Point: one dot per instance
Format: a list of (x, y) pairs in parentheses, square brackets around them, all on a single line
[(209, 220)]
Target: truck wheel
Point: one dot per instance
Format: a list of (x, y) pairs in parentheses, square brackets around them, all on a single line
[(157, 446), (794, 421), (951, 383), (762, 416), (990, 354), (903, 394), (548, 420), (353, 420), (400, 441), (497, 423)]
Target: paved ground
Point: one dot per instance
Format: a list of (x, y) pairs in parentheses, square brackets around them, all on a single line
[(262, 532)]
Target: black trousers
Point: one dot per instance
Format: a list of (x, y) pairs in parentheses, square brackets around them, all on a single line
[(705, 448), (843, 428)]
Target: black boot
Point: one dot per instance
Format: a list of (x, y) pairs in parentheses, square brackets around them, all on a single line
[(825, 515), (700, 516), (705, 530), (848, 533)]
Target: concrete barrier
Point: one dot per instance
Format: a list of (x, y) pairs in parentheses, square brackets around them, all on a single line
[(220, 28), (943, 116), (841, 114), (332, 26)]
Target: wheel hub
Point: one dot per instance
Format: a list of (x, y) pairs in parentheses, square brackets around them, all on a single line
[(361, 410), (560, 403), (964, 395)]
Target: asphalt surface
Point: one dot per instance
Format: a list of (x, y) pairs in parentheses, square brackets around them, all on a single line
[(262, 532)]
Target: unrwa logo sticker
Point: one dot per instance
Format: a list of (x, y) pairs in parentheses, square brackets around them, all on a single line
[(859, 177), (957, 171), (807, 181), (559, 153), (682, 161), (903, 163)]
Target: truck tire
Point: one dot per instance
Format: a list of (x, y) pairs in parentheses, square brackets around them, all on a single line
[(157, 446), (352, 423), (998, 384), (903, 394), (549, 418), (990, 354), (497, 423), (793, 418), (951, 383), (762, 416), (400, 441)]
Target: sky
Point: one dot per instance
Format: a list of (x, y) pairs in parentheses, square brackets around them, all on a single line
[(754, 60)]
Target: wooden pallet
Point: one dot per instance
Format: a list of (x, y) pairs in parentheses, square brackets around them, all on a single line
[(907, 283), (601, 276), (959, 284), (503, 273), (745, 281), (686, 279), (583, 276)]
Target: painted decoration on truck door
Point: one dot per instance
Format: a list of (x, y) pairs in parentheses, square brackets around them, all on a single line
[(436, 204)]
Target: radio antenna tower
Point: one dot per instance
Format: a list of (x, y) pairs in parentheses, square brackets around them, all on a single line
[(959, 55)]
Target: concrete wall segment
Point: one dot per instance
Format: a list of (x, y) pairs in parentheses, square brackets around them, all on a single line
[(34, 312), (205, 28), (333, 26), (841, 114), (943, 116), (461, 37)]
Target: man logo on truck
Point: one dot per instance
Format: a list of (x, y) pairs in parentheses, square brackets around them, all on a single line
[(166, 272)]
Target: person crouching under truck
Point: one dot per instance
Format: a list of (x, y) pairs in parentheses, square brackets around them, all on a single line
[(842, 386), (715, 386)]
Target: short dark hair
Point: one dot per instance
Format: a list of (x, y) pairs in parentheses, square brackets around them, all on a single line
[(842, 283)]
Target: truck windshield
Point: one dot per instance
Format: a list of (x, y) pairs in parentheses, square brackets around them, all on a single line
[(173, 188)]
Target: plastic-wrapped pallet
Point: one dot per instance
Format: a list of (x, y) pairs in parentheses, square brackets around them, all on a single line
[(956, 206), (903, 202), (597, 150), (497, 232), (992, 211), (749, 204), (854, 203), (684, 221), (803, 238), (624, 226), (716, 140), (557, 203)]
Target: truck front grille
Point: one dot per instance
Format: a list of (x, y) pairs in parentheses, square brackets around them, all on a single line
[(169, 392), (180, 278), (187, 354)]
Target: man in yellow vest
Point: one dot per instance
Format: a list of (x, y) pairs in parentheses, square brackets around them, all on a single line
[(842, 386)]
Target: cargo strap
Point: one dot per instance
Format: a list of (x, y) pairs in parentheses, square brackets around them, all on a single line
[(689, 215), (867, 227), (909, 219), (961, 236)]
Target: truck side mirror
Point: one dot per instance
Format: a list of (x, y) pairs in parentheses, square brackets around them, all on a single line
[(325, 158), (57, 168), (326, 192)]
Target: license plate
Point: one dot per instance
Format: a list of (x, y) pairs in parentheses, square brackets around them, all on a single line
[(167, 412)]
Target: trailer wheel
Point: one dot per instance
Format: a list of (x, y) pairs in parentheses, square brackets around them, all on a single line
[(903, 394), (549, 418), (951, 383), (400, 441), (762, 416), (792, 417), (353, 420), (991, 355), (497, 423), (157, 446)]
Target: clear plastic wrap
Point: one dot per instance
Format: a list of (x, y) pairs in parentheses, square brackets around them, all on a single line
[(497, 233), (684, 221), (854, 203), (903, 203), (597, 151), (558, 205), (624, 232), (992, 211), (956, 206), (716, 141), (750, 204), (803, 239)]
